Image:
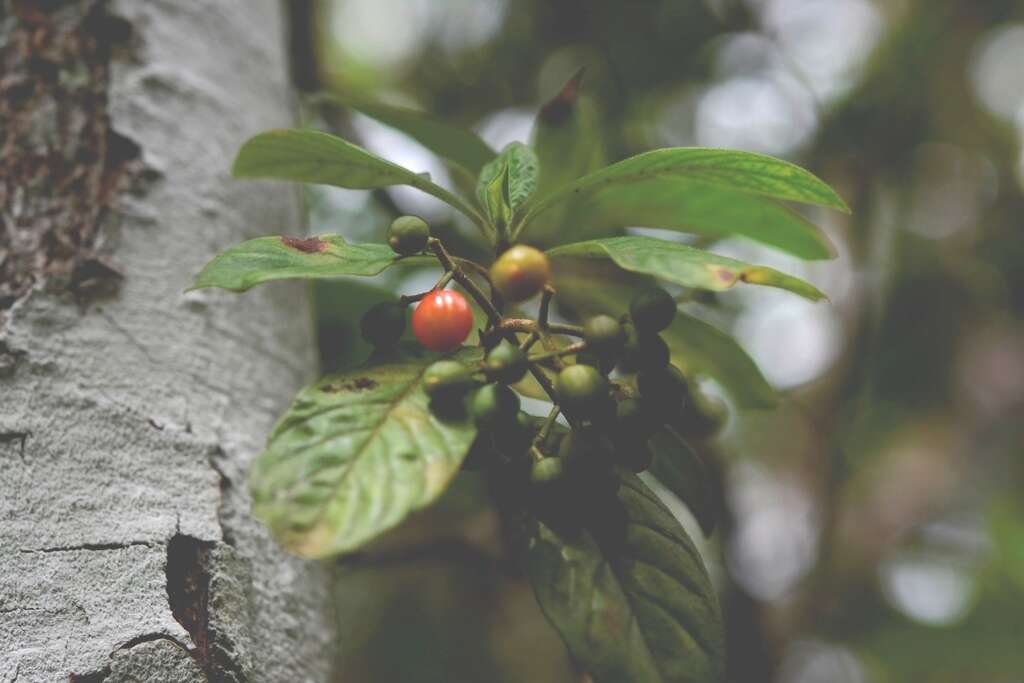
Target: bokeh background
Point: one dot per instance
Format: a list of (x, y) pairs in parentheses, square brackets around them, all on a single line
[(874, 527)]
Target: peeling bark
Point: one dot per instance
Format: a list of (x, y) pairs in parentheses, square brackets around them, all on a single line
[(129, 412)]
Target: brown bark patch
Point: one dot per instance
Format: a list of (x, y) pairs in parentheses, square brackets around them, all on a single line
[(61, 166)]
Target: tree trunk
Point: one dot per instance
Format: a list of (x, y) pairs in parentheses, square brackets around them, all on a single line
[(129, 411)]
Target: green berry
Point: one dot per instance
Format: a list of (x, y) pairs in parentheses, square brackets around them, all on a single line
[(494, 404), (447, 378), (631, 417), (644, 352), (506, 363), (667, 384), (383, 324), (636, 456), (408, 235), (547, 471), (604, 335), (701, 417), (581, 388), (652, 310), (604, 364)]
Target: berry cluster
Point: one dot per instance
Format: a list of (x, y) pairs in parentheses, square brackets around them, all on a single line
[(616, 386)]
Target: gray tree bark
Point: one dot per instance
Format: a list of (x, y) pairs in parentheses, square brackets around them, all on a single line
[(129, 411)]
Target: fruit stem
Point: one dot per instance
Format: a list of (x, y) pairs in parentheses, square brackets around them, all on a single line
[(463, 279), (542, 433), (407, 299), (558, 353), (528, 343), (545, 304), (527, 325)]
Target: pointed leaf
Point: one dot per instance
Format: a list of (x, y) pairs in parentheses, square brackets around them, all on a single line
[(703, 209), (631, 598), (567, 139), (682, 471), (354, 455), (741, 171), (312, 156), (682, 265), (457, 144), (520, 164), (264, 259)]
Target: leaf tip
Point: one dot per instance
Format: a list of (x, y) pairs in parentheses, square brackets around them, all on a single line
[(560, 107)]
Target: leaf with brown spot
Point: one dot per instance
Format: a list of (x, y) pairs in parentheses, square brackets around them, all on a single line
[(265, 259), (682, 264), (356, 454)]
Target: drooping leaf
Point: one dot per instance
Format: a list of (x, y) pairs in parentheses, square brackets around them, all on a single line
[(695, 207), (741, 171), (518, 164), (589, 287), (354, 455), (682, 471), (264, 259), (457, 144), (630, 597), (312, 156), (682, 264)]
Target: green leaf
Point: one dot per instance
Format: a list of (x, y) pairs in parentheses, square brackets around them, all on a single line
[(695, 207), (741, 171), (700, 348), (312, 156), (496, 200), (264, 259), (682, 265), (683, 472), (355, 454), (631, 598), (519, 164), (457, 144), (589, 287)]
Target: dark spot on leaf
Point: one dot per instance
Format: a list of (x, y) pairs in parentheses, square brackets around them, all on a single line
[(407, 456), (725, 275), (311, 245), (358, 384), (561, 106)]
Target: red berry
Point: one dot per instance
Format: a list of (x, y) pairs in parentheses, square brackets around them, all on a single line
[(442, 320)]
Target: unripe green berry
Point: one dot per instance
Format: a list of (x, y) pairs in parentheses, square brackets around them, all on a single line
[(383, 324), (701, 417), (604, 364), (581, 388), (652, 310), (547, 471), (447, 378), (644, 352), (408, 235), (604, 335), (506, 363), (494, 405), (632, 417), (637, 456), (667, 384)]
